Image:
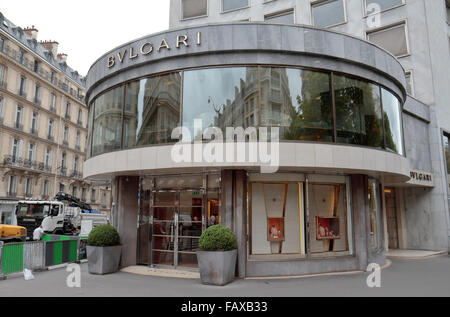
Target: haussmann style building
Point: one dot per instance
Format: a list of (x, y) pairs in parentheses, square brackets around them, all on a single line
[(357, 98), (43, 124)]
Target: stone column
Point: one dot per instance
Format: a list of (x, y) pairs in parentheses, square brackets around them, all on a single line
[(127, 216), (240, 219), (361, 224)]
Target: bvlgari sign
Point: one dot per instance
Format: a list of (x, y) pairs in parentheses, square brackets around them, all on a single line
[(148, 48), (421, 178)]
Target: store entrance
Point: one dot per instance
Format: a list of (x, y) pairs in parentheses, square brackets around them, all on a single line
[(392, 221), (174, 211)]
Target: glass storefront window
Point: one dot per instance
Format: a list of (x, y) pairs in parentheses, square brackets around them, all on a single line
[(152, 110), (222, 97), (107, 128), (358, 112), (392, 122), (328, 218), (299, 102), (277, 218)]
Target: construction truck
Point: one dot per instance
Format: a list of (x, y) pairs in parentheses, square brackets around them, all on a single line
[(9, 234), (62, 216)]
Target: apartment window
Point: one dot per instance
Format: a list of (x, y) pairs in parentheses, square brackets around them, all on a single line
[(21, 56), (80, 116), (2, 44), (392, 39), (31, 151), (2, 76), (23, 86), (37, 66), (19, 117), (194, 8), (61, 188), (66, 134), (1, 108), (68, 110), (34, 123), (63, 160), (16, 149), (29, 187), (75, 164), (52, 77), (384, 4), (328, 13), (93, 195), (48, 157), (50, 128), (285, 17), (83, 194), (104, 200), (229, 5), (77, 141), (37, 95), (45, 188), (409, 83), (12, 183), (53, 102), (74, 191)]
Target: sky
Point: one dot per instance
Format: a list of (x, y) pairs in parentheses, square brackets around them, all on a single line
[(85, 30)]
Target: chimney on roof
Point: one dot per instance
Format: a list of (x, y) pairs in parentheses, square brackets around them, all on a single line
[(51, 46), (32, 32), (62, 57)]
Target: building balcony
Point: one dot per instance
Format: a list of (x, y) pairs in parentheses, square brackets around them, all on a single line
[(51, 138), (67, 116), (76, 174), (63, 171), (17, 162), (80, 122), (11, 160), (47, 168), (11, 194), (65, 143), (77, 148), (28, 194), (53, 109), (37, 101), (34, 131)]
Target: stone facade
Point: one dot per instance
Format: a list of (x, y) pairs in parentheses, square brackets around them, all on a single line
[(43, 130)]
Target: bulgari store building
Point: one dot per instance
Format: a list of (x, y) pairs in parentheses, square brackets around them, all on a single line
[(162, 106)]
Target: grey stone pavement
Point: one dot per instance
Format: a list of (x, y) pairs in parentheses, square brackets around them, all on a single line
[(430, 277)]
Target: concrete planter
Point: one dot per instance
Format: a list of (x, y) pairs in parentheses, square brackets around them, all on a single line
[(217, 267), (103, 260)]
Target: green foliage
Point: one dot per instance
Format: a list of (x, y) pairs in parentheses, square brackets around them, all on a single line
[(218, 238), (104, 236)]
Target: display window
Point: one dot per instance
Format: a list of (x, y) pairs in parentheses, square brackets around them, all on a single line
[(299, 217)]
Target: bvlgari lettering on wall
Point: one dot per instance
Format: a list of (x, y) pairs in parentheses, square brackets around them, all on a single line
[(148, 48)]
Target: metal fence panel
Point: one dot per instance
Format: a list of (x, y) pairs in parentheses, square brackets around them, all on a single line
[(12, 259), (34, 258)]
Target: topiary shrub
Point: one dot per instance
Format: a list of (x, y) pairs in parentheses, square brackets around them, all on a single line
[(104, 236), (218, 238)]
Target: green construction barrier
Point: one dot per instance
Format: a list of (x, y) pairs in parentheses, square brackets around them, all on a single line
[(12, 258)]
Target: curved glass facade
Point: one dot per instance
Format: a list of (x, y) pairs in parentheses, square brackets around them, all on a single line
[(306, 105)]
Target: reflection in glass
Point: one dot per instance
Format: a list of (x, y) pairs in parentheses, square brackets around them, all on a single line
[(358, 112), (152, 110), (308, 100), (392, 122), (223, 97), (329, 13), (106, 133)]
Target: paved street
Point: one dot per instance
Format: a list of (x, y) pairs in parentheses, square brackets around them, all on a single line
[(429, 277)]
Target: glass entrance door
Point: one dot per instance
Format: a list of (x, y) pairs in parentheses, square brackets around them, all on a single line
[(174, 211)]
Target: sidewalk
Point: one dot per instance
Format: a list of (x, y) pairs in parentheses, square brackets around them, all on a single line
[(428, 277), (414, 254)]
